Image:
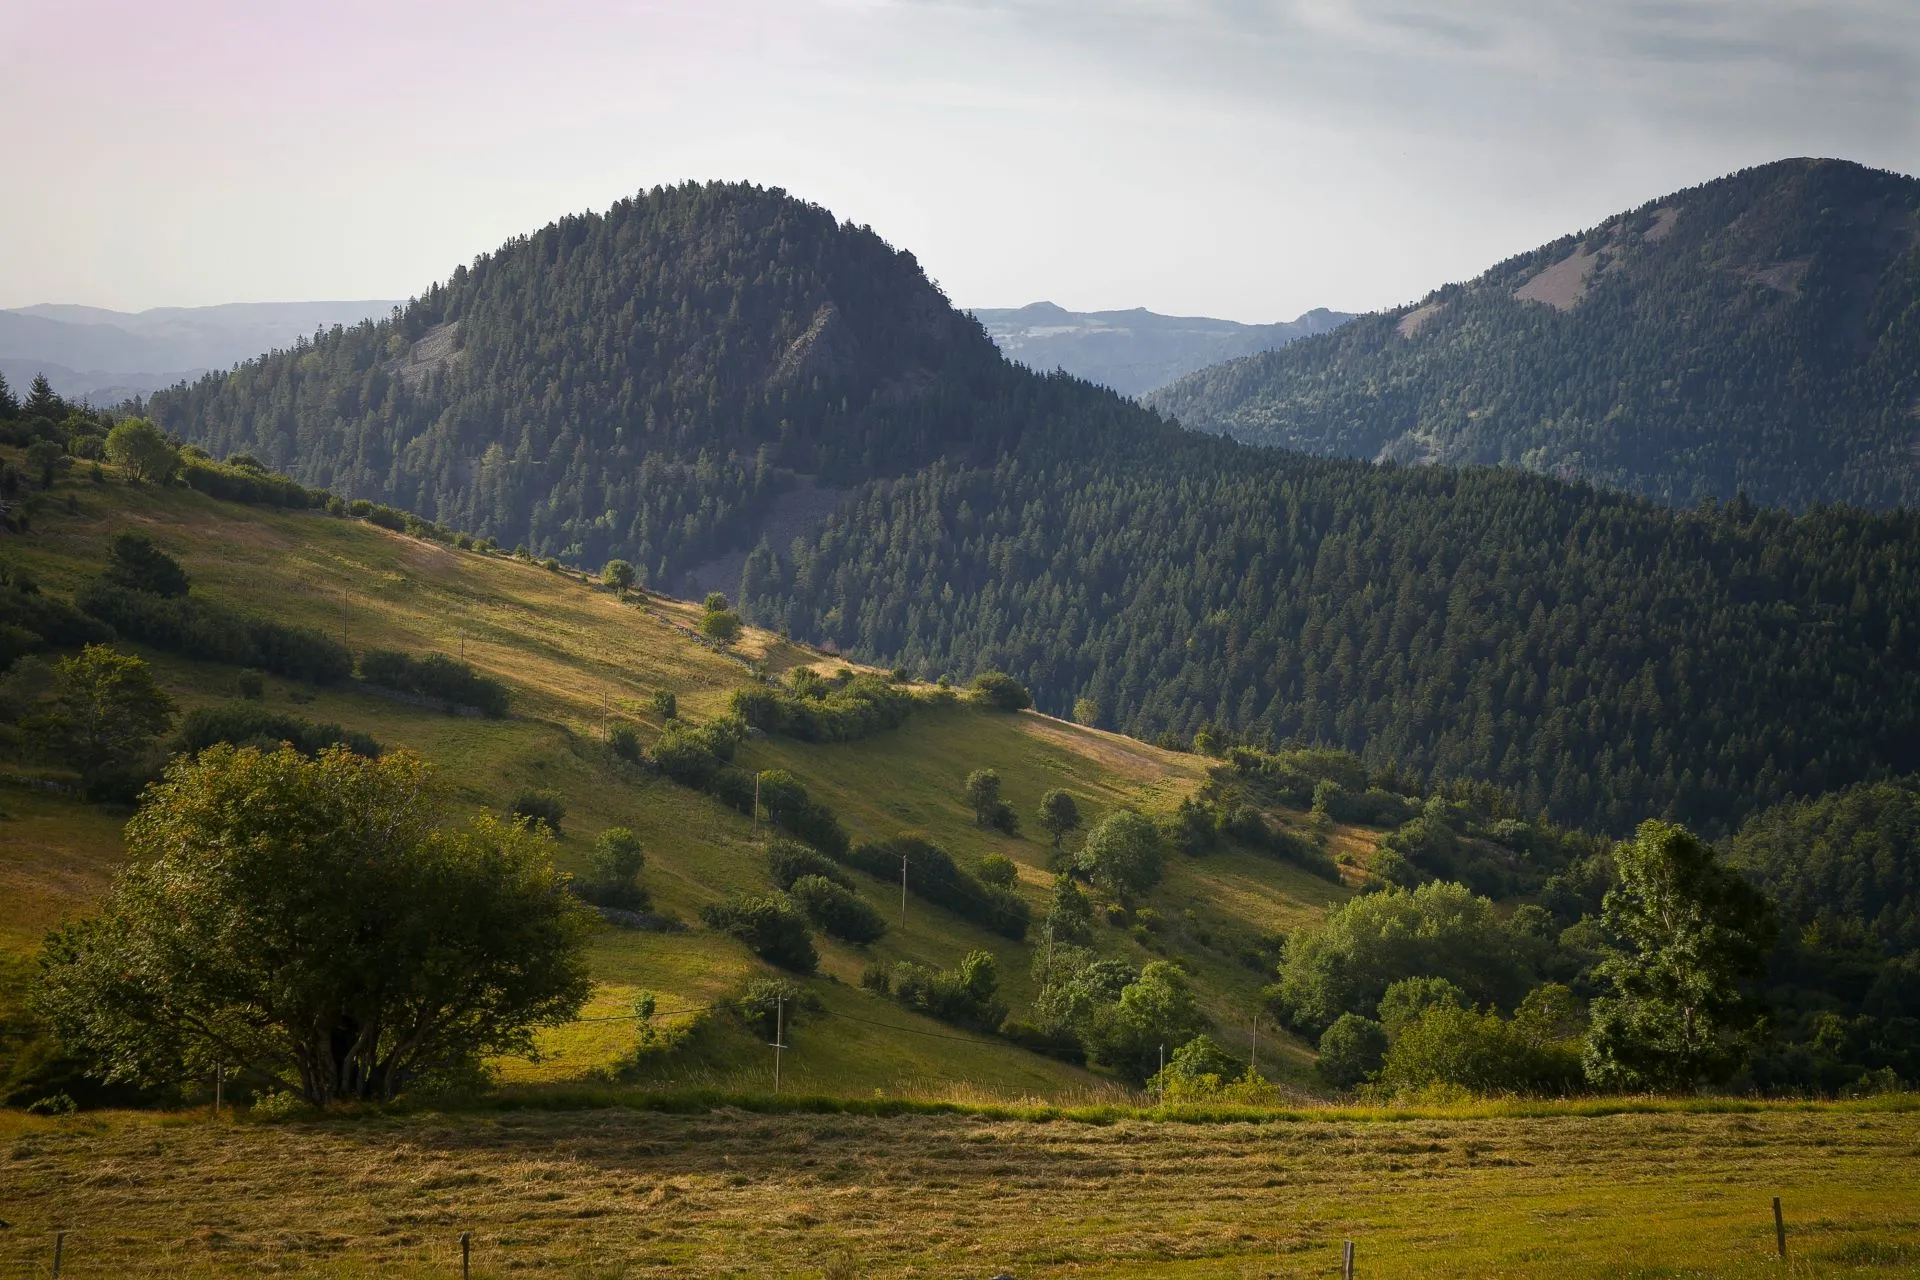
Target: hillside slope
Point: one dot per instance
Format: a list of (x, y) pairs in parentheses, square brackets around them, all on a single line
[(660, 382), (1136, 351), (1757, 334), (578, 661)]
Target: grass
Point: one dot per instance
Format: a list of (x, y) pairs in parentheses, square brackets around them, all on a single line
[(578, 660), (578, 1188)]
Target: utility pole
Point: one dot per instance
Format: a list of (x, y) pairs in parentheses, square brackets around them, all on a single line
[(779, 1036), (903, 891), (1253, 1063), (1160, 1077), (756, 807)]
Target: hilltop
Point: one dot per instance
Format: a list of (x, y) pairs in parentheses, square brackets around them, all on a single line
[(1137, 350), (1751, 335), (723, 382)]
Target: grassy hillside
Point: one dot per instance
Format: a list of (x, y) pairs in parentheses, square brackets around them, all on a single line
[(578, 660), (1545, 1191)]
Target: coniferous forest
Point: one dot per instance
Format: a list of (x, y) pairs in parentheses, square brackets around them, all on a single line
[(1759, 334), (647, 384)]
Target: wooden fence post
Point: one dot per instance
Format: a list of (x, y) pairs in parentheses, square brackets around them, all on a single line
[(466, 1255), (1779, 1229), (59, 1248)]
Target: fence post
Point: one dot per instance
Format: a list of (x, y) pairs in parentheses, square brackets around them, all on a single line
[(59, 1248), (1346, 1261), (466, 1255), (1779, 1229)]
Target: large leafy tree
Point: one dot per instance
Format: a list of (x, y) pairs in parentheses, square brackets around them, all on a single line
[(305, 923), (138, 446), (1687, 933), (1122, 854), (106, 711)]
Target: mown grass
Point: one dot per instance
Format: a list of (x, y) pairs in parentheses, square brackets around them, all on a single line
[(578, 660), (699, 1185)]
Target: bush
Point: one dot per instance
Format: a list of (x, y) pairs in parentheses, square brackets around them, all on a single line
[(1251, 828), (817, 711), (664, 704), (1001, 691), (244, 725), (933, 874), (790, 810), (722, 625), (625, 743), (1059, 814), (253, 485), (1351, 1050), (771, 926), (135, 563), (438, 677), (214, 633), (1192, 828), (1155, 1010), (963, 996), (1480, 1052), (838, 911), (767, 1006), (697, 756), (1196, 1071), (613, 870), (789, 860), (998, 870), (539, 806)]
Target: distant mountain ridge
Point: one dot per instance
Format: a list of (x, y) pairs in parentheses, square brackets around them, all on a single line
[(1757, 334), (1137, 350), (104, 356)]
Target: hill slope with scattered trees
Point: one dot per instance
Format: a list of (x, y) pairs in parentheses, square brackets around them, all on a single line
[(1757, 334), (643, 384)]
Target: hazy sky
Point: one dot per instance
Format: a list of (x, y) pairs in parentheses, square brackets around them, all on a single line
[(1244, 158)]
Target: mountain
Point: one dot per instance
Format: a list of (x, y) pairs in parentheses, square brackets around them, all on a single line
[(1135, 351), (103, 356), (1757, 334), (657, 383)]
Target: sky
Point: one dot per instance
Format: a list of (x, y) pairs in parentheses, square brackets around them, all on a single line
[(1241, 158)]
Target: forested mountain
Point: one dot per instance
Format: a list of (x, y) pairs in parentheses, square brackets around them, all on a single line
[(1757, 334), (1137, 350), (646, 383)]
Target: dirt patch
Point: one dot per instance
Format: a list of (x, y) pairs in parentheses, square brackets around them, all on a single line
[(1412, 322), (798, 512), (1562, 285), (1782, 276), (1135, 761), (1663, 220), (435, 350)]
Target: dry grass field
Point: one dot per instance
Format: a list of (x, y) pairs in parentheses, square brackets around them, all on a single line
[(614, 1192)]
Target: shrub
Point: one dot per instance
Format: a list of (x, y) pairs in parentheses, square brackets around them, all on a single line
[(664, 704), (998, 870), (964, 996), (1351, 1050), (438, 677), (1196, 1071), (715, 601), (243, 725), (722, 625), (255, 485), (816, 711), (251, 686), (613, 870), (933, 874), (1192, 828), (135, 563), (1251, 828), (771, 926), (768, 1007), (214, 633), (838, 911), (618, 574), (625, 743), (790, 810), (540, 806), (1001, 691), (137, 446), (789, 860), (1480, 1052)]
